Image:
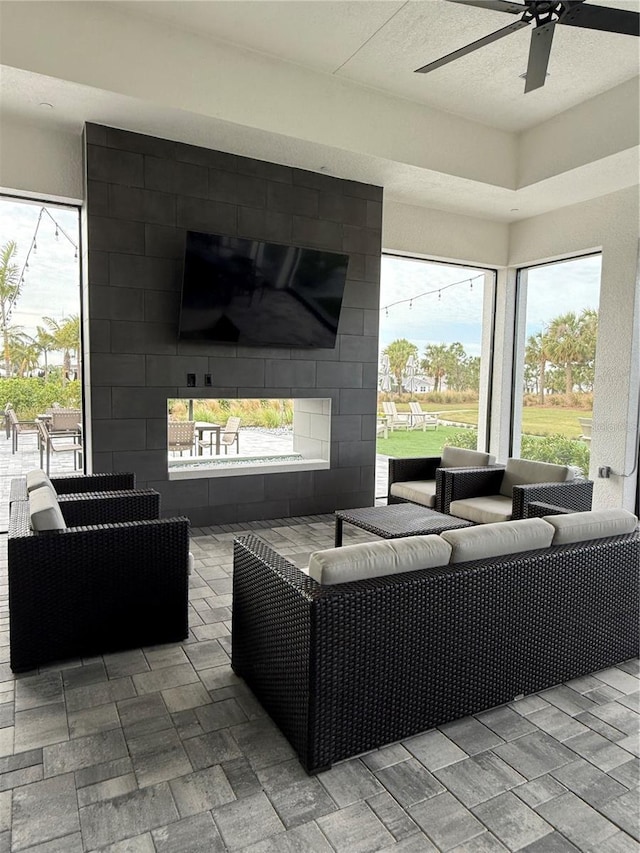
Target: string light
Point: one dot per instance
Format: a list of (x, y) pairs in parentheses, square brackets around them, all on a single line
[(438, 290), (33, 248)]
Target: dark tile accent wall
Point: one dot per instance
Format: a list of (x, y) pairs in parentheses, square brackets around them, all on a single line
[(142, 194)]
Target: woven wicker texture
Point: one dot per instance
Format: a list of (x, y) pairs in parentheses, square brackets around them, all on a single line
[(576, 495), (349, 668), (77, 483), (392, 522), (537, 509), (109, 507), (91, 590)]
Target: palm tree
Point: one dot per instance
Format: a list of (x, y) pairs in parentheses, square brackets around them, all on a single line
[(66, 338), (25, 355), (44, 341), (10, 284), (435, 363), (398, 352), (536, 358), (565, 345), (15, 341)]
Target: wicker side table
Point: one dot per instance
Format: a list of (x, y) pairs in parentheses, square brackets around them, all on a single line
[(397, 520)]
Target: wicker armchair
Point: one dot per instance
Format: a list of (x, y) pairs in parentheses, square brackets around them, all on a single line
[(98, 586), (418, 480), (486, 495)]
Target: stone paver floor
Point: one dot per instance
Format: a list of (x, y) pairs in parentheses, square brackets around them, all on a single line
[(164, 750)]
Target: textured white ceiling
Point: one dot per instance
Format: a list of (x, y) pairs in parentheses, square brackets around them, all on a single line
[(380, 44), (329, 86)]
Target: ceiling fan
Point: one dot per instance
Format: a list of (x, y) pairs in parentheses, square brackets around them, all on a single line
[(546, 14)]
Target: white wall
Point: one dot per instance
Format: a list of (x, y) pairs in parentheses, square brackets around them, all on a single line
[(40, 162), (446, 236), (612, 224)]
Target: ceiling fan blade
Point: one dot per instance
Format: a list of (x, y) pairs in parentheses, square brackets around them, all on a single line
[(539, 51), (602, 18), (450, 57), (496, 5)]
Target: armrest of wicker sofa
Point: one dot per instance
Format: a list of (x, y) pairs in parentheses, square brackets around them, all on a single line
[(272, 637), (90, 590), (574, 495), (404, 470), (88, 508), (455, 484)]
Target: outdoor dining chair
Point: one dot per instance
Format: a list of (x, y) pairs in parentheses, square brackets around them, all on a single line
[(62, 443), (19, 427), (231, 435), (181, 436)]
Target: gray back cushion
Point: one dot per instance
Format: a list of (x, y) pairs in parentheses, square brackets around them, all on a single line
[(36, 479), (459, 457), (497, 539), (595, 524), (44, 511), (375, 559), (521, 472)]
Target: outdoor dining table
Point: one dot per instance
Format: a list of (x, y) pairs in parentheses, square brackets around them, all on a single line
[(204, 426)]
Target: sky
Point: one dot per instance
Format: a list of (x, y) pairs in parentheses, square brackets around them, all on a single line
[(456, 315), (52, 282)]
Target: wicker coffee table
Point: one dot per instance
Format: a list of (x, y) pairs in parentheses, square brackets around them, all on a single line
[(397, 520)]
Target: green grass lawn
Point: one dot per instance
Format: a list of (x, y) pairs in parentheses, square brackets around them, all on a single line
[(415, 442), (536, 420)]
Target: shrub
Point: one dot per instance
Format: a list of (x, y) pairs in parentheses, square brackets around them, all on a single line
[(467, 438), (556, 448), (30, 396), (258, 413)]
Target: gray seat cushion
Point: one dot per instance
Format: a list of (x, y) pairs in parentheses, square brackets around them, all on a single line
[(495, 540), (483, 510), (376, 559), (417, 491), (521, 472), (595, 524)]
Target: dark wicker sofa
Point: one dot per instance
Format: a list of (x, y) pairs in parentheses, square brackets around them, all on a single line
[(115, 578), (347, 668)]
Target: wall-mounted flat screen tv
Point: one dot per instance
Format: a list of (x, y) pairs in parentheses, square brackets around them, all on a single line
[(260, 294)]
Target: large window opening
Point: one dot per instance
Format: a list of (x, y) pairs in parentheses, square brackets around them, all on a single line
[(557, 336), (436, 330), (223, 437), (40, 362)]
